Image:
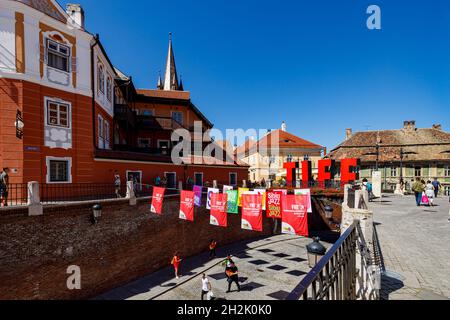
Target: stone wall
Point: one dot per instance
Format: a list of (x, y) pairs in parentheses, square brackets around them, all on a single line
[(127, 243)]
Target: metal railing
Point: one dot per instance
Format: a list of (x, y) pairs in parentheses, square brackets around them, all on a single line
[(14, 194), (74, 192), (336, 276)]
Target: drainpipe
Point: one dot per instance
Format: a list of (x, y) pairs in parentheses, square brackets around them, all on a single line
[(96, 39)]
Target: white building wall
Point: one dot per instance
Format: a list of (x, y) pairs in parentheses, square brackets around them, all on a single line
[(7, 40), (32, 49), (100, 97)]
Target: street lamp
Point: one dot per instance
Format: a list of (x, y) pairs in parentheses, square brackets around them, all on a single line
[(19, 125), (96, 212), (315, 252)]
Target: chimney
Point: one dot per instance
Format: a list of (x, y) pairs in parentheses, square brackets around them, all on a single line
[(76, 13), (284, 126), (409, 125), (348, 133), (437, 126)]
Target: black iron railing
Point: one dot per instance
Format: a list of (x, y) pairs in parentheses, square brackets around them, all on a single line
[(14, 194), (57, 193), (334, 276), (338, 275)]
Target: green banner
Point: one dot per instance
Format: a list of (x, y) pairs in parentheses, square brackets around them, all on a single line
[(232, 202)]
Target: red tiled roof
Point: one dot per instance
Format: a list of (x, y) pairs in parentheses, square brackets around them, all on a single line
[(182, 95), (417, 144), (47, 7)]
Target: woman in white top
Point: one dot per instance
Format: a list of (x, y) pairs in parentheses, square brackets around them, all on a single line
[(429, 192), (206, 287)]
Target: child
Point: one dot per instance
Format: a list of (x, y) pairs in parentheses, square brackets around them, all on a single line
[(212, 248), (176, 263)]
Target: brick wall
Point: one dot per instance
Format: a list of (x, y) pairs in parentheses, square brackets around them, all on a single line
[(128, 242)]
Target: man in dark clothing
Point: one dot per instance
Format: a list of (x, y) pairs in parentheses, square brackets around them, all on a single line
[(4, 181), (437, 185), (232, 274)]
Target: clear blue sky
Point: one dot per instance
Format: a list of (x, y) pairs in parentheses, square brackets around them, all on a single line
[(314, 64)]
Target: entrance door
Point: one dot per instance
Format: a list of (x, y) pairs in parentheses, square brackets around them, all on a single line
[(136, 177), (171, 178), (198, 179)]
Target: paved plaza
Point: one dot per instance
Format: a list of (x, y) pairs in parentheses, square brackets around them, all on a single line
[(269, 269), (415, 243)]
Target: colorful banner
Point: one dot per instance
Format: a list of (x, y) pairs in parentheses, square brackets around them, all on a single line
[(307, 193), (241, 191), (198, 196), (263, 193), (157, 200), (218, 210), (251, 212), (227, 188), (283, 191), (294, 215), (232, 201), (208, 201), (273, 206), (187, 205)]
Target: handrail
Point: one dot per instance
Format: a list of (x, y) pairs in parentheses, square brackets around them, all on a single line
[(302, 287)]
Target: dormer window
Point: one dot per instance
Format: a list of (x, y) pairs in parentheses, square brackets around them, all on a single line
[(58, 56)]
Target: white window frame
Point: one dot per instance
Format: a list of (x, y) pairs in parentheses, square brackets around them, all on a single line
[(163, 140), (100, 130), (57, 52), (106, 133), (229, 178), (69, 169), (196, 173), (446, 171), (178, 112), (59, 102), (394, 172)]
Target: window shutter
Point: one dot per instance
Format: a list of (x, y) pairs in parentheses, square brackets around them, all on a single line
[(74, 64), (42, 53)]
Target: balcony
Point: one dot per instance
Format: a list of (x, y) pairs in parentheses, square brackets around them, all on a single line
[(157, 123), (123, 112), (135, 154)]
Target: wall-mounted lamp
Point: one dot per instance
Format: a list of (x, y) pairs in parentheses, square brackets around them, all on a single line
[(19, 125)]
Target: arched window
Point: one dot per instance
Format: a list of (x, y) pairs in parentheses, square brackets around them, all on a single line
[(109, 88), (101, 79)]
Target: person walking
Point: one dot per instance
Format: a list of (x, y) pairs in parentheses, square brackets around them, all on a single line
[(418, 189), (429, 192), (437, 185), (117, 183), (206, 287), (176, 263), (4, 181), (212, 249), (232, 276)]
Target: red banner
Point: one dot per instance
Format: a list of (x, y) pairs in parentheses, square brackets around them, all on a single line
[(187, 200), (294, 215), (273, 206), (252, 212), (157, 200), (219, 209)]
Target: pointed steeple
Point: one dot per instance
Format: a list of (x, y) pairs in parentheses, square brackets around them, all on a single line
[(171, 77), (159, 86)]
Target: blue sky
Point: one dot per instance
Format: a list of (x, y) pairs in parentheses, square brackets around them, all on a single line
[(313, 64)]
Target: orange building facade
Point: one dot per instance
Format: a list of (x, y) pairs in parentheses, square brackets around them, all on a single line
[(82, 118)]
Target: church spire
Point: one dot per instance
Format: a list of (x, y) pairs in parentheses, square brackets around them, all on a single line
[(171, 77), (159, 85)]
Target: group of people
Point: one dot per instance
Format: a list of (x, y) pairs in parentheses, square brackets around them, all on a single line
[(231, 272), (425, 192)]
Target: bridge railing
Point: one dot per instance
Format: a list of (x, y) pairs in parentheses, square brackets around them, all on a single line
[(345, 272)]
